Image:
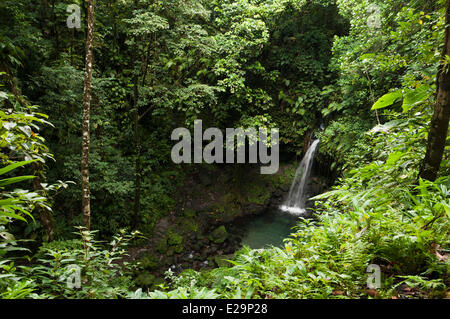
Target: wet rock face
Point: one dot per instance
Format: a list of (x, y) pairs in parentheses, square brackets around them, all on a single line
[(318, 185), (196, 235), (255, 209)]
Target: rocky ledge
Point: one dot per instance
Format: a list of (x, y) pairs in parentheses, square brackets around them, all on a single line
[(195, 235)]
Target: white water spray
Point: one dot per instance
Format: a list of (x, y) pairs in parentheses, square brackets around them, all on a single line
[(296, 200)]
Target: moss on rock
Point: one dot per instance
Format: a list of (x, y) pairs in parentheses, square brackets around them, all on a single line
[(189, 225), (219, 235), (174, 239), (145, 279), (149, 262)]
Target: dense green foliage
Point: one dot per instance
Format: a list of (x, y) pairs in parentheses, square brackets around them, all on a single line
[(290, 64), (251, 63), (379, 213)]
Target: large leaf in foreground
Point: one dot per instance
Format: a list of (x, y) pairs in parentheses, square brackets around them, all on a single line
[(387, 100)]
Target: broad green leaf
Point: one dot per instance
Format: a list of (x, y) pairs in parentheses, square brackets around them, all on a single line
[(12, 180), (12, 215), (9, 201), (387, 100), (14, 166)]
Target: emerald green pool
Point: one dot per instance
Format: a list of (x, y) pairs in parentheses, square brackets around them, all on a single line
[(267, 229)]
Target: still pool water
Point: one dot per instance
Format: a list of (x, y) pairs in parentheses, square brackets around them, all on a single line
[(268, 229)]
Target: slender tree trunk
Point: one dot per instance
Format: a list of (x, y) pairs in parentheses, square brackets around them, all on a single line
[(437, 134), (87, 95)]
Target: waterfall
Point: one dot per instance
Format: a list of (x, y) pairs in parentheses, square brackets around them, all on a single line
[(296, 200)]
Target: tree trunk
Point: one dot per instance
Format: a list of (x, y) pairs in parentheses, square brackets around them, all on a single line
[(437, 134), (85, 192)]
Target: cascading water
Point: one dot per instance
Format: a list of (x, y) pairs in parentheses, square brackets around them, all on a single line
[(296, 200)]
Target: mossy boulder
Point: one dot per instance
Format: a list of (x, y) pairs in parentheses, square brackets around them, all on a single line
[(178, 249), (144, 279), (171, 244), (175, 243), (149, 262), (219, 235), (174, 239), (189, 226)]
